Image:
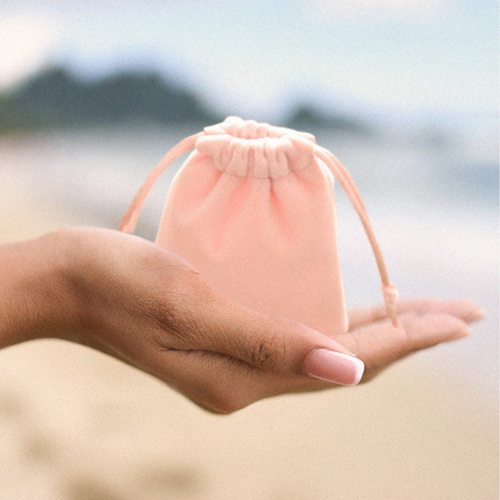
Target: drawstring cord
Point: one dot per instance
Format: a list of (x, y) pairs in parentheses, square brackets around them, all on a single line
[(389, 290), (129, 220)]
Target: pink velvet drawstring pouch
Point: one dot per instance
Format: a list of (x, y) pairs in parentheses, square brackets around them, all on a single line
[(253, 210)]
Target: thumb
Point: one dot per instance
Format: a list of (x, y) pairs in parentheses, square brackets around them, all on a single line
[(233, 357), (270, 344)]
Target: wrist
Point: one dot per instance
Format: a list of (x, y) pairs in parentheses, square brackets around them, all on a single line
[(35, 298)]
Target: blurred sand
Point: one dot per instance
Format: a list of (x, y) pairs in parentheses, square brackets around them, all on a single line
[(78, 425)]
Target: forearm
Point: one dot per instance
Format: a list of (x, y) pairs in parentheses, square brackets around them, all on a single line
[(34, 298)]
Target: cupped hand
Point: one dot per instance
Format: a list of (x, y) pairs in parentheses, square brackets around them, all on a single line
[(148, 307)]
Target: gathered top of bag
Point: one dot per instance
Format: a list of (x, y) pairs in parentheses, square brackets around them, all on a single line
[(245, 147)]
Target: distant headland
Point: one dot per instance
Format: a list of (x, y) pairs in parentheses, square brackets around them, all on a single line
[(56, 98)]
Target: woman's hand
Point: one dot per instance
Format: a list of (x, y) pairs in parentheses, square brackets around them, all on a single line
[(148, 307)]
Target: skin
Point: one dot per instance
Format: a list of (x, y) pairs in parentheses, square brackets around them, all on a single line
[(146, 306)]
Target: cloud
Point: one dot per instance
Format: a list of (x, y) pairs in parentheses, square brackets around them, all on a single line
[(26, 43), (376, 9)]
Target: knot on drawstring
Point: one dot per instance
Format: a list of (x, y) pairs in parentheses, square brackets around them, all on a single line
[(390, 293), (389, 290)]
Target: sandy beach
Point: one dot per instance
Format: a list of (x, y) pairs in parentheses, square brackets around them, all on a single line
[(78, 425)]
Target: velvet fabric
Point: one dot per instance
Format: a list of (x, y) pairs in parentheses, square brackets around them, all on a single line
[(253, 210)]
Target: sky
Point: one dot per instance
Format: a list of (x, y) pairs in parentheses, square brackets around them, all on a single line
[(255, 55)]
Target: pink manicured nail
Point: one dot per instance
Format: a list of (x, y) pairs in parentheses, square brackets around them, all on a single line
[(334, 367)]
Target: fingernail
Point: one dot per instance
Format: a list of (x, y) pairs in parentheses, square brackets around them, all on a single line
[(481, 314), (475, 314), (334, 367), (460, 334)]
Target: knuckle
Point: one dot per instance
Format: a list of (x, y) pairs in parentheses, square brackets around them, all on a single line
[(268, 352), (174, 323)]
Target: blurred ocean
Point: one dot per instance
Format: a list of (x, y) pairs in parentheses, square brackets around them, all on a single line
[(432, 198)]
